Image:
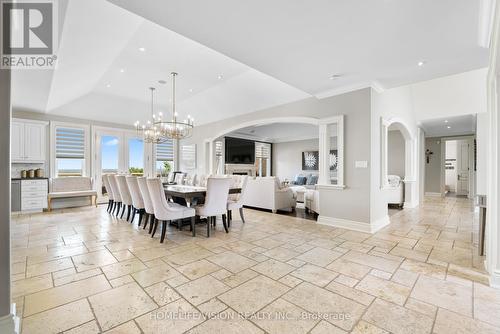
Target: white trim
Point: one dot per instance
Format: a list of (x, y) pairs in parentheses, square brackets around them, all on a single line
[(27, 120), (485, 22), (432, 194), (343, 90), (87, 168), (495, 279), (354, 225), (330, 187), (10, 324), (410, 205)]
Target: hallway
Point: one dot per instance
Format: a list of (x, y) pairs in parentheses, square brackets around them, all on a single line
[(82, 271)]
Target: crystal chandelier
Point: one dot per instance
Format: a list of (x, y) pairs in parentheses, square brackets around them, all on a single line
[(150, 131), (175, 129)]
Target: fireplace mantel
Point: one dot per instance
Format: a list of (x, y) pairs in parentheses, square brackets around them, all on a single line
[(248, 169)]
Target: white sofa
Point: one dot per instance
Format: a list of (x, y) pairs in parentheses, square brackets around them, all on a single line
[(265, 193)]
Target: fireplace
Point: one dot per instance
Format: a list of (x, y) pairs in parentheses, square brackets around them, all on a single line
[(241, 169)]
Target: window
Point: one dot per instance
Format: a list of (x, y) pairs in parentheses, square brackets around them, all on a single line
[(164, 158), (136, 157), (188, 158), (263, 158), (70, 151)]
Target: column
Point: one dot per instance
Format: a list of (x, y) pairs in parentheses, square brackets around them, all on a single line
[(6, 318), (324, 152)]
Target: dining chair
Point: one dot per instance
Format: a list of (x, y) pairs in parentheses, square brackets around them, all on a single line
[(116, 194), (166, 211), (125, 195), (148, 205), (137, 201), (215, 201), (109, 192), (237, 204), (179, 178), (190, 180)]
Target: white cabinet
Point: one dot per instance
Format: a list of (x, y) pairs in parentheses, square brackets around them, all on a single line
[(34, 195), (28, 141)]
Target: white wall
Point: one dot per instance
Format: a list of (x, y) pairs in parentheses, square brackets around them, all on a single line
[(392, 104), (482, 135), (454, 95), (395, 153)]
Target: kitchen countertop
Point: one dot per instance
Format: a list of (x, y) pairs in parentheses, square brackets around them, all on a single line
[(28, 178)]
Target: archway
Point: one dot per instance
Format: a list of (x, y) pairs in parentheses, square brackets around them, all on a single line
[(409, 177)]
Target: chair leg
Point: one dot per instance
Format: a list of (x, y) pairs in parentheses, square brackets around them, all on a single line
[(109, 203), (163, 230), (224, 223), (155, 223), (129, 208), (134, 210), (146, 218), (241, 215), (141, 212), (113, 208), (193, 230), (229, 218), (209, 222), (123, 210), (119, 208), (151, 223)]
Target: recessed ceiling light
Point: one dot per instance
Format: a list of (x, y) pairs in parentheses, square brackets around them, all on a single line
[(162, 82), (220, 77), (190, 90), (421, 63), (449, 127), (108, 85), (142, 49), (122, 70), (446, 121), (335, 76)]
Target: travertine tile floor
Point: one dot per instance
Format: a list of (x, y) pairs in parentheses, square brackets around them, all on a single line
[(82, 271)]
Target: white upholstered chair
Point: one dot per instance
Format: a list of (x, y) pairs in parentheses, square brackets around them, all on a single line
[(137, 201), (237, 203), (124, 194), (116, 194), (109, 191), (190, 180), (179, 178), (215, 201), (148, 205), (165, 211)]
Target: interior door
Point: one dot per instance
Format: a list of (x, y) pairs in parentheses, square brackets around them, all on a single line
[(463, 167)]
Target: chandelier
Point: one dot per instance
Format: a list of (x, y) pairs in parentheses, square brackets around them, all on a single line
[(149, 131), (175, 129)]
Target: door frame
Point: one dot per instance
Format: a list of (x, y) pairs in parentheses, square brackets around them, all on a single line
[(123, 153), (472, 174)]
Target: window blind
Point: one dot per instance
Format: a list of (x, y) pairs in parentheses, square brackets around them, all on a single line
[(165, 151), (188, 154), (70, 143), (262, 150)]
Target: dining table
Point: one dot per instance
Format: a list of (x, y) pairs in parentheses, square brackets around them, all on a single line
[(189, 194)]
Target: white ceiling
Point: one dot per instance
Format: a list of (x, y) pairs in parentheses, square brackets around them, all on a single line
[(278, 132), (303, 43), (458, 125), (269, 53)]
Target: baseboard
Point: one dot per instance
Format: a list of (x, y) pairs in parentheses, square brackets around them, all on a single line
[(9, 324), (495, 279), (354, 225), (431, 194), (410, 205)]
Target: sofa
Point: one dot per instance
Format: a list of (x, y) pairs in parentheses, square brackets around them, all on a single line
[(71, 186), (266, 193)]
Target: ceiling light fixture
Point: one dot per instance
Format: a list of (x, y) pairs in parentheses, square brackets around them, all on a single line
[(448, 127), (175, 129), (162, 82), (108, 85), (446, 121), (149, 131), (335, 76), (421, 63), (142, 49), (190, 90), (220, 77), (122, 70)]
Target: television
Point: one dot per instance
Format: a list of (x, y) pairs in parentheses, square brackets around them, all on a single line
[(240, 151)]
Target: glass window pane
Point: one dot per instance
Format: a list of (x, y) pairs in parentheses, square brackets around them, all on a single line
[(70, 167), (163, 168), (136, 156), (109, 154)]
